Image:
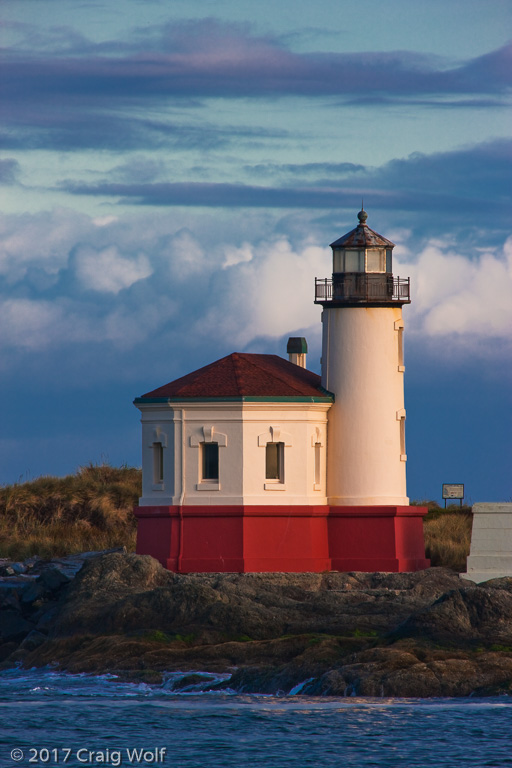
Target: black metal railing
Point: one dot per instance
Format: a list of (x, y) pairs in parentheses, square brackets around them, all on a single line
[(353, 287)]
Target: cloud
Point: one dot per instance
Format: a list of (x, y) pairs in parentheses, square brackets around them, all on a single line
[(108, 271), (209, 58), (38, 245), (171, 297), (210, 194), (306, 169), (265, 290), (465, 187), (30, 324), (466, 300), (78, 126), (466, 172), (9, 171), (79, 94)]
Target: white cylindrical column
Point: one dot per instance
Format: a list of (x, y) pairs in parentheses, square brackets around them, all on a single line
[(362, 365)]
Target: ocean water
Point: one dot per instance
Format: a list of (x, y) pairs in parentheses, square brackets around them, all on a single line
[(50, 718)]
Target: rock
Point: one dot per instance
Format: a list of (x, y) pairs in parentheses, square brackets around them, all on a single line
[(192, 682), (125, 593), (18, 568), (32, 591), (9, 598), (13, 626), (464, 616), (33, 640), (6, 649), (45, 616), (408, 634), (398, 672), (53, 578)]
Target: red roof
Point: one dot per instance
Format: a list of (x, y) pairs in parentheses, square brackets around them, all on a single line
[(244, 375)]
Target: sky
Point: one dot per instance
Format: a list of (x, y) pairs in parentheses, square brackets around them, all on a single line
[(172, 174)]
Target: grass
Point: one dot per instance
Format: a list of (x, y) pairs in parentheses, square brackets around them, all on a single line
[(92, 510), (447, 535), (54, 516)]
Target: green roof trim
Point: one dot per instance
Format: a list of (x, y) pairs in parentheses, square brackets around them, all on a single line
[(327, 398)]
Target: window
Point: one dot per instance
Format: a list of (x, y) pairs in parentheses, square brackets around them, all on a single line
[(274, 460), (389, 267), (375, 260), (158, 463), (210, 458), (354, 261), (348, 261)]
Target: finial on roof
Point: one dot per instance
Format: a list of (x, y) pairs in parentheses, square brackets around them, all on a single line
[(362, 215)]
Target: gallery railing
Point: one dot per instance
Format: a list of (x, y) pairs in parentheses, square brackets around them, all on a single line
[(362, 287)]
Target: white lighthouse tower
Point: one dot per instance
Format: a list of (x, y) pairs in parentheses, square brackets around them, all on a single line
[(363, 366), (362, 363)]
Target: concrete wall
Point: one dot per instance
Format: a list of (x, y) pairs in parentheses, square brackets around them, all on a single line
[(491, 543)]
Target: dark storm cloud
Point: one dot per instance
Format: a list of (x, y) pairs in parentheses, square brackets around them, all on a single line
[(83, 94)]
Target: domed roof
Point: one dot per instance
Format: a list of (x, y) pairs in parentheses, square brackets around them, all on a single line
[(362, 236)]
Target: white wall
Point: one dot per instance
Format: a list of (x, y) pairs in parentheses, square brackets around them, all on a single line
[(298, 426), (361, 366), (242, 430)]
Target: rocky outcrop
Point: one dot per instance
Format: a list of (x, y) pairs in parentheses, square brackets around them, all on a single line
[(124, 593), (31, 595), (465, 615), (376, 634)]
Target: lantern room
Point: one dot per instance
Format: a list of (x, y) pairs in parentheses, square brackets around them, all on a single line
[(362, 250), (362, 269)]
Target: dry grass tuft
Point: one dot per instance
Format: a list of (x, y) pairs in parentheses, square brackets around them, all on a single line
[(54, 516), (448, 536)]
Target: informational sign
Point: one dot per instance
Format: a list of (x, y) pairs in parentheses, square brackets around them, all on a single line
[(453, 490)]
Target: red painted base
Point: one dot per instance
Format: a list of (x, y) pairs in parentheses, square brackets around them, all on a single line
[(377, 539), (286, 539)]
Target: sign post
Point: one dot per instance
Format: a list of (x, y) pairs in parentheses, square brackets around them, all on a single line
[(453, 491)]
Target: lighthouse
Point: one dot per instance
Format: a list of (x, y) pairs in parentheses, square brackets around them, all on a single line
[(255, 464), (363, 365)]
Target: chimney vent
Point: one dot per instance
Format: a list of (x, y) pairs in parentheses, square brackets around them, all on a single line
[(297, 348)]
